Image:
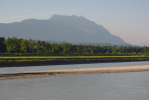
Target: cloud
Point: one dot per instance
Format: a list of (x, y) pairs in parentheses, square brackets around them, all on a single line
[(39, 14)]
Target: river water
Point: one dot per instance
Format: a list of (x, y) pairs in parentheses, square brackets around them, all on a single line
[(72, 66), (108, 86)]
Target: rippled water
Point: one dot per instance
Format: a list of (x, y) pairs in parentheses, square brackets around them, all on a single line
[(109, 86)]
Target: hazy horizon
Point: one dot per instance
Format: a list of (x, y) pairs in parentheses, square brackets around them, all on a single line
[(127, 19)]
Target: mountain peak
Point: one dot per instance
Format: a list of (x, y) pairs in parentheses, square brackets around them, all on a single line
[(61, 28), (72, 16), (82, 16), (28, 20), (77, 16), (57, 16)]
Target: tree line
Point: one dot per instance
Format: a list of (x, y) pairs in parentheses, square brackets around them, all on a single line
[(15, 45)]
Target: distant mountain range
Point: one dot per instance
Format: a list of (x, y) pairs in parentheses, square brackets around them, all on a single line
[(72, 29), (145, 43)]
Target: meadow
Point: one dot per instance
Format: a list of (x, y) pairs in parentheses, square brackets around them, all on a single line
[(19, 59)]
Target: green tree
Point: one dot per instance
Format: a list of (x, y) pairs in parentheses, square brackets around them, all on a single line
[(66, 47), (91, 48), (38, 44), (114, 49), (78, 49), (2, 45), (109, 49), (55, 49), (43, 45), (31, 45), (8, 43), (47, 46), (145, 49), (24, 44), (13, 45)]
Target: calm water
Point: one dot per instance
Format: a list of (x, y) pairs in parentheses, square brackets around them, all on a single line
[(114, 86), (75, 66)]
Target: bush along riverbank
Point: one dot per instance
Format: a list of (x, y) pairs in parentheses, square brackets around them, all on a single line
[(40, 62)]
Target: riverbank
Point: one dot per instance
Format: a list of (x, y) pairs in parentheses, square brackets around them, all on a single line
[(18, 61), (64, 62), (35, 74)]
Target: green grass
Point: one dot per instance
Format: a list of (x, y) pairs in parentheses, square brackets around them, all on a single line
[(60, 54), (47, 58), (30, 59), (69, 57)]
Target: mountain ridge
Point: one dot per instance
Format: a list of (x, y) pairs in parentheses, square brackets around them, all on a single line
[(60, 28)]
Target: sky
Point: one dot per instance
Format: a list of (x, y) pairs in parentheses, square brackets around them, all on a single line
[(128, 19)]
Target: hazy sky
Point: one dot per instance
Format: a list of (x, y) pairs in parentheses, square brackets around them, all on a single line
[(128, 19)]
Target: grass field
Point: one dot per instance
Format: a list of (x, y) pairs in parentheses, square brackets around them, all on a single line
[(7, 60), (44, 58), (69, 57)]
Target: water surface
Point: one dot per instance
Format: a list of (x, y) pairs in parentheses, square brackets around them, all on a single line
[(71, 66), (114, 86), (108, 86)]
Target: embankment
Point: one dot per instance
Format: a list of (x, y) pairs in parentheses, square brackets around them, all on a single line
[(35, 74), (63, 62)]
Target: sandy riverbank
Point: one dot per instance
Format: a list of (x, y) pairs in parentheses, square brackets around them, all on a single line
[(35, 74)]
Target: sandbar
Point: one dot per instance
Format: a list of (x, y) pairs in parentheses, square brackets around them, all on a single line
[(47, 73)]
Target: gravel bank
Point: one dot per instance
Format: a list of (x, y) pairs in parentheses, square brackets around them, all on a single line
[(35, 74)]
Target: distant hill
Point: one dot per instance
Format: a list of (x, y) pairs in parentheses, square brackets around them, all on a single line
[(145, 43), (59, 28)]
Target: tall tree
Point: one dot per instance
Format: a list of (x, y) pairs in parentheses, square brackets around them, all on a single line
[(16, 44), (38, 44), (55, 49), (13, 45), (66, 47), (91, 48), (8, 43), (2, 45), (145, 49), (31, 45), (114, 49), (24, 44), (43, 45), (47, 46), (109, 49)]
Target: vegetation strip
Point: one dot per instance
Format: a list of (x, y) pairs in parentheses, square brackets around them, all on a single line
[(23, 46), (75, 57), (34, 74), (42, 62)]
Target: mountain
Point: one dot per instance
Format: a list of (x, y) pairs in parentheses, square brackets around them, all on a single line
[(145, 43), (60, 28)]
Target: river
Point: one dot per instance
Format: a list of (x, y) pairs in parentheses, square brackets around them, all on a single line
[(108, 86)]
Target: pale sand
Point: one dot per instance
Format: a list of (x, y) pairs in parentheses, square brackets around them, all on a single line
[(34, 74)]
